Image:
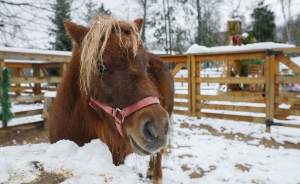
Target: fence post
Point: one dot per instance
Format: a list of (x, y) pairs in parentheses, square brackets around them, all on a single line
[(194, 84), (1, 66), (271, 68), (189, 68), (198, 87)]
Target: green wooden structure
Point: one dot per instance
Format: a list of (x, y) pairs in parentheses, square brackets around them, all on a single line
[(6, 113)]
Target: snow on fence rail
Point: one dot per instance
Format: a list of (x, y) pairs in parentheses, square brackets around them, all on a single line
[(197, 86)]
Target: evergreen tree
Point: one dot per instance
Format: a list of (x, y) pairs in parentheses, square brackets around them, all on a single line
[(102, 11), (263, 25), (92, 10), (62, 11)]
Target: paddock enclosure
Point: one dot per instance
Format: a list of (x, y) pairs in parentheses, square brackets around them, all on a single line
[(212, 84)]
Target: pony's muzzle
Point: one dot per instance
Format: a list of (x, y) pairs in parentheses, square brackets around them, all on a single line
[(148, 129), (155, 136), (154, 131)]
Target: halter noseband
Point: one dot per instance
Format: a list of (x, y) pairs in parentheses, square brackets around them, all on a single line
[(120, 114)]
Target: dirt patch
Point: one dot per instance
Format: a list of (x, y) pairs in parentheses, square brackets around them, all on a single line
[(185, 167), (19, 136), (242, 137), (49, 178), (199, 172), (185, 156), (243, 167)]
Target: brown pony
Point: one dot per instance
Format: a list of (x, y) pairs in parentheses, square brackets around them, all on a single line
[(110, 66)]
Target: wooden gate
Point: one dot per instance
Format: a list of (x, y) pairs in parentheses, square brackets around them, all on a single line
[(266, 104)]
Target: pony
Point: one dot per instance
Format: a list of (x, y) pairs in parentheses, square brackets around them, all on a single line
[(116, 91)]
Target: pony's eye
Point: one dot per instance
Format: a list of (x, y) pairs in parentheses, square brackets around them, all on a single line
[(101, 68), (115, 30), (126, 32)]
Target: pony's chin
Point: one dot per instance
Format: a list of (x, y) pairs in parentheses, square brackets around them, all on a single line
[(139, 149)]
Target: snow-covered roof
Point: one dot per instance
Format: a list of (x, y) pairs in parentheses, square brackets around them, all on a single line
[(234, 19), (199, 49), (34, 51)]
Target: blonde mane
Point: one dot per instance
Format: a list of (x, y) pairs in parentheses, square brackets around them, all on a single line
[(94, 44)]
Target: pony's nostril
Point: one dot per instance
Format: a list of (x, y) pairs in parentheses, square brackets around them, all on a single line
[(149, 131)]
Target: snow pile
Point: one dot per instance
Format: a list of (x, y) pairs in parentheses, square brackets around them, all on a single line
[(230, 48), (91, 163)]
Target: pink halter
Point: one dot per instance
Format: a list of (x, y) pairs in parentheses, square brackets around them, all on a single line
[(120, 114)]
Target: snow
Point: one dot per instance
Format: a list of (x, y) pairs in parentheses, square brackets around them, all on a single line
[(24, 120), (27, 61), (229, 49), (92, 162), (50, 94), (245, 35), (296, 60), (194, 152), (234, 19)]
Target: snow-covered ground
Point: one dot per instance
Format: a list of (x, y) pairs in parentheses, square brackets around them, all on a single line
[(196, 156)]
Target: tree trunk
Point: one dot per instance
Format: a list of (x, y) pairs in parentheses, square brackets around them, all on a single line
[(169, 27), (199, 21), (286, 18), (166, 26)]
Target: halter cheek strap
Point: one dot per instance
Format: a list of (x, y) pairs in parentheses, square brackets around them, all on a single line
[(120, 114)]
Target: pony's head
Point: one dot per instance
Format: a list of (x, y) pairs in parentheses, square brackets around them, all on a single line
[(114, 71)]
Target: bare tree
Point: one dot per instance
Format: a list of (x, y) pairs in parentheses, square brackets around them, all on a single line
[(19, 19), (207, 21), (145, 6), (287, 15)]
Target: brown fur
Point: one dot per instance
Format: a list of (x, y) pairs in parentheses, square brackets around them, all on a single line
[(129, 77)]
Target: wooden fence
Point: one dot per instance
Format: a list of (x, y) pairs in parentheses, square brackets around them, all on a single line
[(30, 77), (190, 79), (265, 104)]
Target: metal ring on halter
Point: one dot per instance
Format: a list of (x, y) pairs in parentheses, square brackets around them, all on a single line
[(118, 114)]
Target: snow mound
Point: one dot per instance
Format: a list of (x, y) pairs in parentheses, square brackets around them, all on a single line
[(195, 48), (93, 161), (230, 48)]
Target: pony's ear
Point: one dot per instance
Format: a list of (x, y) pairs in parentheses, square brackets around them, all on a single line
[(76, 32), (139, 23)]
